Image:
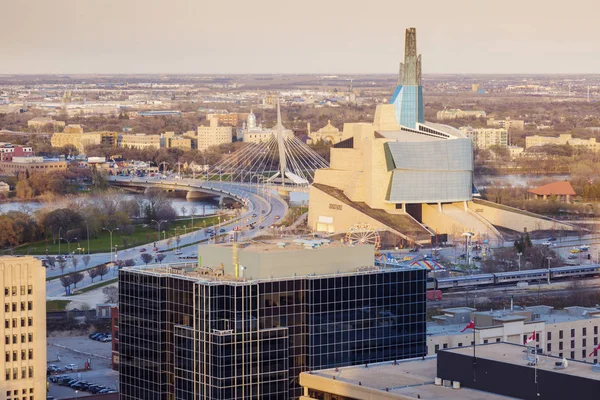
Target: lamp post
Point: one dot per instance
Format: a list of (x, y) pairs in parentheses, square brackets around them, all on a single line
[(519, 255), (111, 245), (158, 224), (59, 240), (88, 235), (68, 243)]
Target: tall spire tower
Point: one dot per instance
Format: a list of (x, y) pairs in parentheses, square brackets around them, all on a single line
[(408, 96)]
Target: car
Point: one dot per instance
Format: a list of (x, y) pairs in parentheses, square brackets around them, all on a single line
[(575, 250), (462, 256), (584, 248), (263, 212), (142, 250), (107, 338), (57, 378), (101, 337), (261, 227), (254, 215), (277, 217), (96, 388), (71, 367), (547, 243), (222, 230), (572, 257), (477, 258), (95, 335), (178, 252)]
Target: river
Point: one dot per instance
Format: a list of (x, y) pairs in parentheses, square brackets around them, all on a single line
[(179, 204)]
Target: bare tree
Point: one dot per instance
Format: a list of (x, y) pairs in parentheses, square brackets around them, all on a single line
[(66, 281), (102, 270), (76, 277), (178, 240), (75, 261), (92, 273), (63, 264), (160, 257), (50, 261), (111, 293), (146, 258), (86, 260)]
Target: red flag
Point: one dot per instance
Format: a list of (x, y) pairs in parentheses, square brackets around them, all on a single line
[(531, 338), (470, 325), (595, 350)]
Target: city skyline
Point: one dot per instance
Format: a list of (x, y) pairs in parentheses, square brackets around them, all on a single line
[(68, 37)]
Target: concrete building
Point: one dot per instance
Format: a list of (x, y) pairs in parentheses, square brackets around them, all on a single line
[(407, 176), (8, 151), (4, 187), (508, 124), (199, 331), (213, 135), (328, 134), (227, 118), (256, 133), (171, 141), (515, 151), (79, 139), (571, 333), (23, 316), (393, 380), (140, 141), (484, 138), (562, 139), (457, 113), (40, 122), (31, 164)]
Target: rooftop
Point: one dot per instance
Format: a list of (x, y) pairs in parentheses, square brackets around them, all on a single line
[(405, 379), (515, 354), (555, 188)]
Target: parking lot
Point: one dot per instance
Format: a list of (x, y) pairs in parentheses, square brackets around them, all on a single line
[(78, 350)]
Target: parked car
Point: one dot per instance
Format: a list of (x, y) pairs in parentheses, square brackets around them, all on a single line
[(142, 250), (222, 230), (95, 335), (107, 338), (178, 252), (575, 250), (58, 378), (71, 367), (584, 248)]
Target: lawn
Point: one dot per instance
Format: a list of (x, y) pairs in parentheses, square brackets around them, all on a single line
[(56, 305), (143, 234)]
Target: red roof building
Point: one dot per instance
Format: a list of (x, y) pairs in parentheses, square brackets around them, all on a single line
[(562, 190)]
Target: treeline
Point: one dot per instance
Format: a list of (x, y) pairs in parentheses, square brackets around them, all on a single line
[(30, 185), (78, 216)]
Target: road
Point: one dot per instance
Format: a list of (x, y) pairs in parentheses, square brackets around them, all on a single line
[(262, 207)]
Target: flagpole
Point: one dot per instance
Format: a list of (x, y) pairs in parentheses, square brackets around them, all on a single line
[(474, 355)]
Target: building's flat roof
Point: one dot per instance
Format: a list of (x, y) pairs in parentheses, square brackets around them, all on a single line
[(515, 354), (409, 378)]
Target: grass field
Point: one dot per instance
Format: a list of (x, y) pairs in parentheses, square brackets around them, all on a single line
[(56, 305), (101, 244)]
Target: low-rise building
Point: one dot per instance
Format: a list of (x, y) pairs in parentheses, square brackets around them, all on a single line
[(4, 187), (484, 138), (457, 113), (140, 141), (8, 151), (31, 164), (572, 333), (562, 139), (213, 135), (563, 191), (40, 122), (80, 140), (515, 151), (507, 123), (228, 119)]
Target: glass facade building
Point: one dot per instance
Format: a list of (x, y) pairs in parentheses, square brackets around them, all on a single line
[(183, 336)]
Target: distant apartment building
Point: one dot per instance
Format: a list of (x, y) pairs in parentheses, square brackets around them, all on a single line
[(40, 122), (8, 151), (457, 113), (228, 119), (508, 124), (562, 139), (515, 151), (140, 141), (80, 140), (73, 128), (484, 138), (213, 135), (171, 141), (160, 113), (571, 333), (23, 316), (31, 164)]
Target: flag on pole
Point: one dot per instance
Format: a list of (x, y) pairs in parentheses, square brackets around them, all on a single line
[(470, 325), (595, 350), (530, 338)]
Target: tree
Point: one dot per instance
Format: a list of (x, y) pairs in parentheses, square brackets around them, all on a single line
[(50, 261), (62, 263), (93, 272), (111, 293), (178, 240), (160, 257), (76, 277), (146, 258), (75, 262), (66, 281), (86, 260), (102, 270)]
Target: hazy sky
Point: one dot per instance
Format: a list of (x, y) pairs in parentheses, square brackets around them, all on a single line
[(303, 36)]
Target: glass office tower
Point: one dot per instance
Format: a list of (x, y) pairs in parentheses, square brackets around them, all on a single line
[(187, 336)]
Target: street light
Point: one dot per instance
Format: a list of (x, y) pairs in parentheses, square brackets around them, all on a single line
[(158, 224), (68, 243), (59, 240), (111, 245), (88, 235)]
